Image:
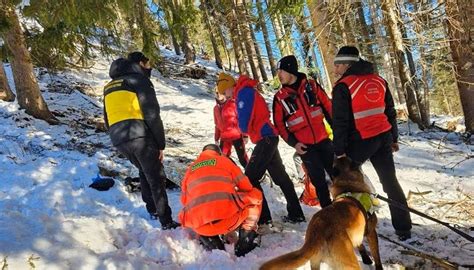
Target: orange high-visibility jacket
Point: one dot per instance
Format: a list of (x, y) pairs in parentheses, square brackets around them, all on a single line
[(210, 190)]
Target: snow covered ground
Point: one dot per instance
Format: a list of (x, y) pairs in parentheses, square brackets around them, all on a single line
[(51, 219)]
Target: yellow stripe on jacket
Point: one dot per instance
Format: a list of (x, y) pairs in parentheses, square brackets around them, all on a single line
[(121, 105)]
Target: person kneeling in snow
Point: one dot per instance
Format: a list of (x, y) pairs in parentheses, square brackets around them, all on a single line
[(217, 199)]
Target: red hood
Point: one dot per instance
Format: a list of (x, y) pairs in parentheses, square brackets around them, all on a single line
[(242, 82)]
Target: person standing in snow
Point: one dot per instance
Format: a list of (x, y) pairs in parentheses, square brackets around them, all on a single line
[(225, 119), (132, 116), (217, 199), (254, 119), (365, 126), (299, 110)]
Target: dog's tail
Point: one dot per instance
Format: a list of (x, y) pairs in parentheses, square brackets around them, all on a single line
[(296, 258)]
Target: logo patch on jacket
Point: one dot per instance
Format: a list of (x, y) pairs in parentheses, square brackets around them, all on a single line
[(241, 104), (209, 162)]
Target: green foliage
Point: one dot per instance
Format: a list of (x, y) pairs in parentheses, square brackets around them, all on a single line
[(68, 30)]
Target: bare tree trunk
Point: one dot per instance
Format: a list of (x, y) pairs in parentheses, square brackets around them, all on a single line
[(189, 53), (286, 26), (234, 34), (266, 37), (391, 73), (321, 20), (397, 42), (365, 34), (27, 89), (247, 39), (175, 42), (215, 46), (224, 44), (6, 93), (261, 65), (303, 28), (279, 34), (461, 35)]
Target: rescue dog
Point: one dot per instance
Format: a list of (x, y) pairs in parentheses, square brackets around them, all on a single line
[(336, 230)]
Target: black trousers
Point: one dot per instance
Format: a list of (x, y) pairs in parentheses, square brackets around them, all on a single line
[(319, 158), (144, 153), (240, 149), (266, 156), (378, 150)]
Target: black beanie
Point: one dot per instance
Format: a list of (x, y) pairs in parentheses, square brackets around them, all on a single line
[(347, 55), (137, 57), (288, 64)]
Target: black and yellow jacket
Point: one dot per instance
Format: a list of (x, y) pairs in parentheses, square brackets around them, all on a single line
[(131, 109)]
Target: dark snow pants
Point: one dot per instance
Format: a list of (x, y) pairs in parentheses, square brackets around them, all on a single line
[(378, 150), (319, 158), (144, 153), (266, 156)]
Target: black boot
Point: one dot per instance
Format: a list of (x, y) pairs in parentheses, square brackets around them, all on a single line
[(170, 225), (245, 243), (211, 242)]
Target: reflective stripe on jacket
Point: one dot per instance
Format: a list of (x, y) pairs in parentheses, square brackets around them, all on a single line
[(210, 190), (300, 113), (368, 104)]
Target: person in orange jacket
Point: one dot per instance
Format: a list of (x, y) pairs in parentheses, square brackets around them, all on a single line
[(217, 199), (227, 132)]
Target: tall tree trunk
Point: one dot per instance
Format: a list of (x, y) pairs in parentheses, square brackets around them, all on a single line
[(303, 28), (247, 39), (279, 35), (365, 34), (27, 89), (261, 65), (6, 93), (460, 27), (388, 63), (149, 48), (174, 40), (266, 38), (215, 46), (189, 52), (320, 17), (235, 37), (397, 42), (286, 26), (224, 44)]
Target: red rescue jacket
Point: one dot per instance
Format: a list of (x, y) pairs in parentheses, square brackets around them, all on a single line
[(253, 113), (368, 104), (225, 120), (300, 113)]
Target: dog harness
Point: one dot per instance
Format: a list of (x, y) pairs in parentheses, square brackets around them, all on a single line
[(364, 201)]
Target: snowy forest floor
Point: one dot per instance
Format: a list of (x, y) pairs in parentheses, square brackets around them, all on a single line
[(51, 219)]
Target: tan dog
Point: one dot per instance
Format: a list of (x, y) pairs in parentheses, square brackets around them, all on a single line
[(336, 230)]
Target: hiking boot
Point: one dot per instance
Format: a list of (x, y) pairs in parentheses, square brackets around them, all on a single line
[(403, 235), (245, 243), (211, 242), (293, 220), (170, 225)]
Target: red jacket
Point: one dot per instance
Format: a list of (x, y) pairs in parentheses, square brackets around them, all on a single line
[(299, 114), (213, 189), (368, 104), (252, 110), (225, 119)]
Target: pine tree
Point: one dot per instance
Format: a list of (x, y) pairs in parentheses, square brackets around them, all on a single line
[(27, 88)]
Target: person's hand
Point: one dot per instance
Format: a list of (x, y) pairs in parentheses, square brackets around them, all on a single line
[(161, 156), (395, 147), (341, 156), (300, 148), (245, 139)]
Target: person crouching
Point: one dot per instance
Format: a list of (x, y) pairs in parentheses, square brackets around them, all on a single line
[(217, 199)]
